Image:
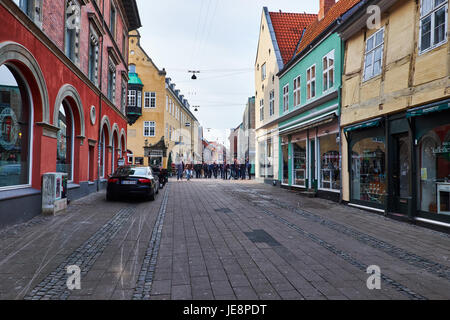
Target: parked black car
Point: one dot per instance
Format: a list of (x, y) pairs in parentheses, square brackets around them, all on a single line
[(132, 180)]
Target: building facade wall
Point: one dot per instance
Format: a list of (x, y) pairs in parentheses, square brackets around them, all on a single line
[(266, 55), (51, 78), (408, 79)]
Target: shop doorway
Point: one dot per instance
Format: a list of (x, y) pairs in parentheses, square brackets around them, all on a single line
[(401, 179), (312, 165)]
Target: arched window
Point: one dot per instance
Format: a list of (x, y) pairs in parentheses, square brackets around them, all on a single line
[(66, 133), (102, 154), (16, 120)]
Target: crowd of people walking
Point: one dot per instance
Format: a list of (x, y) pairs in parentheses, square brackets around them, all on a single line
[(223, 171)]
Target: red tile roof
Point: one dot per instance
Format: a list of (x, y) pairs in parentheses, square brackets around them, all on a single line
[(288, 29), (317, 27)]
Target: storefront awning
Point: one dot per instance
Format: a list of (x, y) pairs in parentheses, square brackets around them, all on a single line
[(430, 108), (364, 125)]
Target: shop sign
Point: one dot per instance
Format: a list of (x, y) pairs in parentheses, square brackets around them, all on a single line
[(445, 148)]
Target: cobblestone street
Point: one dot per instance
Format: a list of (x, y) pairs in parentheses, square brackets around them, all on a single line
[(222, 240)]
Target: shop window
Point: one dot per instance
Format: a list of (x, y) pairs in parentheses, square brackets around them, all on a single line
[(285, 152), (15, 129), (368, 171), (299, 165), (139, 161), (91, 163), (433, 154), (330, 163), (64, 154)]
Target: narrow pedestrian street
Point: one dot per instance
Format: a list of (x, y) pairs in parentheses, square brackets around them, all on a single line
[(222, 240)]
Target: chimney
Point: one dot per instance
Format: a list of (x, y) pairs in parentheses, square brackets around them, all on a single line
[(325, 5)]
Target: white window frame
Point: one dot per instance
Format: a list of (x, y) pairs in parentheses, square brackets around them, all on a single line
[(286, 98), (272, 103), (261, 110), (311, 82), (263, 72), (367, 52), (150, 100), (139, 99), (297, 92), (431, 13), (148, 125), (132, 95), (327, 85)]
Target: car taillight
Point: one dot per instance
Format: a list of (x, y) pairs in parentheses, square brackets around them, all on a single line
[(113, 180), (145, 181)]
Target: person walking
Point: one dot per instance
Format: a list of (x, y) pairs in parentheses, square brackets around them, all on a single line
[(249, 170), (243, 171), (179, 171)]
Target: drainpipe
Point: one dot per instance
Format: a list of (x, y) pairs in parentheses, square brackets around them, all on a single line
[(100, 80)]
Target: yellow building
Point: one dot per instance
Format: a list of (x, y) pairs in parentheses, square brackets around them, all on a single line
[(395, 110), (161, 125)]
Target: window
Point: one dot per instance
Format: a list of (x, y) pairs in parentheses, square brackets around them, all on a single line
[(374, 55), (330, 162), (112, 20), (16, 124), (132, 98), (102, 152), (167, 130), (139, 99), (149, 128), (33, 9), (263, 72), (132, 68), (433, 24), (272, 103), (124, 45), (328, 71), (111, 81), (261, 110), (167, 103), (72, 30), (297, 91), (65, 136), (311, 82), (286, 98), (150, 100), (299, 163), (93, 57), (123, 100)]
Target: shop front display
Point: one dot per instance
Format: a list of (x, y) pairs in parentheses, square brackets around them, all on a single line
[(433, 163), (330, 163), (299, 165), (14, 130), (368, 169)]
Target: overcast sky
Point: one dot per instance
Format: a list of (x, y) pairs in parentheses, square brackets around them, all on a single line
[(216, 37)]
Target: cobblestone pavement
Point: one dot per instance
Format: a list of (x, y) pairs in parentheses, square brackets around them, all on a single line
[(223, 240)]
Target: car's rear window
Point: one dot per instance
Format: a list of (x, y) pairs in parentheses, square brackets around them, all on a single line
[(127, 171)]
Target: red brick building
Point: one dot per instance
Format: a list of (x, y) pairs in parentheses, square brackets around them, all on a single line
[(63, 94)]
